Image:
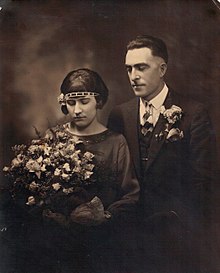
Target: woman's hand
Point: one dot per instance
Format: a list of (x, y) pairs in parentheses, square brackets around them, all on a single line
[(55, 217), (90, 214)]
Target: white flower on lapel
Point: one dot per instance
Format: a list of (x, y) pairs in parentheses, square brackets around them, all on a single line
[(174, 134), (173, 114)]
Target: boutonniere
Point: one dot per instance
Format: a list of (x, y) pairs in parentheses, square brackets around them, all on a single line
[(172, 115), (174, 134)]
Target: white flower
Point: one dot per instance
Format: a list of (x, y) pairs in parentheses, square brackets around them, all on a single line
[(88, 156), (57, 172), (75, 156), (173, 114), (61, 98), (77, 169), (66, 167), (61, 135), (43, 168), (78, 163), (33, 166), (67, 191), (56, 154), (174, 134), (70, 147), (35, 141), (60, 145), (75, 140), (56, 186), (65, 176), (16, 162), (62, 152), (47, 150), (87, 174), (6, 169), (47, 161), (40, 159), (31, 201), (33, 148), (90, 167), (48, 135)]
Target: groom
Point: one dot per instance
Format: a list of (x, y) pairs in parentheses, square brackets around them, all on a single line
[(171, 142)]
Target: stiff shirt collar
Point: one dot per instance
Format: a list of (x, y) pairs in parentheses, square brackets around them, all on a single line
[(156, 102)]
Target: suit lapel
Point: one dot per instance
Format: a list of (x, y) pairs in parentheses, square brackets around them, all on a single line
[(156, 143), (132, 117)]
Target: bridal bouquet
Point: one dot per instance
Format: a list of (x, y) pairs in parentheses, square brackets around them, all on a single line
[(55, 165)]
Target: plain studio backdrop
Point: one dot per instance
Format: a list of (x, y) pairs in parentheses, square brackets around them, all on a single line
[(41, 41)]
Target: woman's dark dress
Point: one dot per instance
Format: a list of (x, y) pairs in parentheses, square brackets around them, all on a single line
[(50, 247)]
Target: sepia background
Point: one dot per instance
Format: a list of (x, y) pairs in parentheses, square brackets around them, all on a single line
[(41, 41)]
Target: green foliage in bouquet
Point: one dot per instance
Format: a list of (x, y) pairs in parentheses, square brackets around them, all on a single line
[(56, 163)]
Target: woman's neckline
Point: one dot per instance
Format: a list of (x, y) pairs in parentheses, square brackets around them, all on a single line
[(67, 129)]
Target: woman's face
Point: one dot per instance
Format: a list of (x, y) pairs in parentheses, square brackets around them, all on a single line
[(83, 110)]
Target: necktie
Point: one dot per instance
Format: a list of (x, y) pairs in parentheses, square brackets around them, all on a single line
[(147, 125)]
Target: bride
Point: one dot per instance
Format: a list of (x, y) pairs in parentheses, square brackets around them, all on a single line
[(87, 237)]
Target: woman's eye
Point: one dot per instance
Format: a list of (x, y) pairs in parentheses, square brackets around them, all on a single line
[(85, 101), (71, 102)]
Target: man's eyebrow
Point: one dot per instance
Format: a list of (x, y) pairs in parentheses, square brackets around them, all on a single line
[(135, 65), (139, 64)]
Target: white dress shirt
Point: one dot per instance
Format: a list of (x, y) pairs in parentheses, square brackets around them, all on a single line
[(155, 108)]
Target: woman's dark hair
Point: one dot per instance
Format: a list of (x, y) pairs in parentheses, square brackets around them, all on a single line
[(86, 80), (157, 46)]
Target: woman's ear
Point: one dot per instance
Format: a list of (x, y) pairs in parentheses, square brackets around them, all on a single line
[(163, 69)]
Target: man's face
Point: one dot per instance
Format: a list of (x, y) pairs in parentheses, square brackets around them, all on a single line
[(145, 72)]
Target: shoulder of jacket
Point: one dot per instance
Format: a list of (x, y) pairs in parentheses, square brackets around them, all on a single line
[(187, 103)]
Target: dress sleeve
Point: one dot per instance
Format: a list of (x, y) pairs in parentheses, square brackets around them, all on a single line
[(128, 184)]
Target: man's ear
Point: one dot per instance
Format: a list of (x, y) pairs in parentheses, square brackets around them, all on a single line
[(163, 69)]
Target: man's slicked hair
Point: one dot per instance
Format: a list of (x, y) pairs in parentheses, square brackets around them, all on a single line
[(157, 46)]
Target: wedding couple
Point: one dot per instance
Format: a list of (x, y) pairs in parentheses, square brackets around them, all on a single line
[(156, 203)]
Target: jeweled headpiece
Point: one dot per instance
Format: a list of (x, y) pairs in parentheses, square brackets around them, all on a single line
[(62, 99)]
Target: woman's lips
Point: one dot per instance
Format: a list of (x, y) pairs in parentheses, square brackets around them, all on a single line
[(79, 118)]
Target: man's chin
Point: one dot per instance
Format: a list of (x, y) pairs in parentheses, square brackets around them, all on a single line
[(140, 93)]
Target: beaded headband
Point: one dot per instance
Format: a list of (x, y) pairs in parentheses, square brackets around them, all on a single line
[(63, 98)]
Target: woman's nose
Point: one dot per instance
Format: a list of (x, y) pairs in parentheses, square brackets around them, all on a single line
[(77, 109)]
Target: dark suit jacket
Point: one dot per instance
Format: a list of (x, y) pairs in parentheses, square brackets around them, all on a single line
[(178, 174)]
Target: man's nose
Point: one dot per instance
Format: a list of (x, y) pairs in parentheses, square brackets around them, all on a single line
[(134, 75)]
